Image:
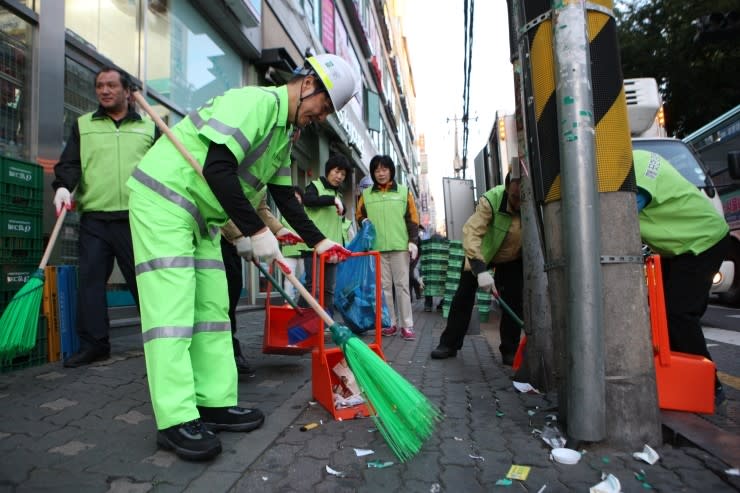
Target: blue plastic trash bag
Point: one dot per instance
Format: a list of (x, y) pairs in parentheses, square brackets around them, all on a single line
[(354, 294)]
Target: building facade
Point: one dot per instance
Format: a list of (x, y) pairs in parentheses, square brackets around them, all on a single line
[(184, 52)]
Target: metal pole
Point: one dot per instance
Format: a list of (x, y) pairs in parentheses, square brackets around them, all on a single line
[(585, 385)]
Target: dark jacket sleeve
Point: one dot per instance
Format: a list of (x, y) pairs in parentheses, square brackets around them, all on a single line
[(220, 174), (294, 213), (311, 197), (68, 170)]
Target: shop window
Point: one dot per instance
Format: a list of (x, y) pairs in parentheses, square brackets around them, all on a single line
[(187, 60), (15, 82), (110, 26)]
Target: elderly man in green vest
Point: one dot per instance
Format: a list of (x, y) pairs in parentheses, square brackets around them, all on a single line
[(491, 238), (243, 140), (102, 150), (692, 238)]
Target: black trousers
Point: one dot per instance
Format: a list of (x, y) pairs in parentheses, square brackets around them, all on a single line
[(101, 242), (687, 279), (509, 279), (233, 267)]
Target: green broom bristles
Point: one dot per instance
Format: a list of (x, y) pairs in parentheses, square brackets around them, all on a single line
[(404, 416), (19, 322)]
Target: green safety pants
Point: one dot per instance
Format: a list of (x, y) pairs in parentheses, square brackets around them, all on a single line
[(184, 313)]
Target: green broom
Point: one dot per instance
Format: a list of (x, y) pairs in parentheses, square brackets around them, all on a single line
[(20, 320), (403, 415)]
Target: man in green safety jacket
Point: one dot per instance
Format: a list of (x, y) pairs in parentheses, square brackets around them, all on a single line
[(101, 151), (323, 203), (491, 238), (692, 238), (243, 140)]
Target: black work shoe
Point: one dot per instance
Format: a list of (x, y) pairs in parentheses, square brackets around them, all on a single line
[(242, 366), (86, 356), (190, 441), (443, 352), (507, 359), (233, 418)]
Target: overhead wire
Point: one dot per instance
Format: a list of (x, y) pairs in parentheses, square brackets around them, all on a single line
[(469, 12)]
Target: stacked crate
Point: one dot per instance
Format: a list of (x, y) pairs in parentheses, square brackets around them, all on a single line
[(455, 260), (434, 265), (21, 241), (483, 299)]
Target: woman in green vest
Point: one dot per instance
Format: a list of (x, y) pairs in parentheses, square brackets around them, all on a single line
[(323, 203), (391, 208), (243, 140)]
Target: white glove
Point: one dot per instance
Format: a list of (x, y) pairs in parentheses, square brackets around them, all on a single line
[(421, 283), (244, 248), (337, 252), (413, 250), (265, 246), (485, 281), (62, 197), (339, 205)]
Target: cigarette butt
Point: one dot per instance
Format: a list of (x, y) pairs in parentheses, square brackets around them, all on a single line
[(309, 426)]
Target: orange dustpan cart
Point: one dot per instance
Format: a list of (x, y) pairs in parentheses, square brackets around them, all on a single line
[(685, 381), (323, 379)]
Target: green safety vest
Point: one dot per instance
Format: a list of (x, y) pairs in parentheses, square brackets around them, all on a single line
[(500, 226), (108, 154), (252, 122), (291, 250), (386, 209), (679, 218), (326, 218)]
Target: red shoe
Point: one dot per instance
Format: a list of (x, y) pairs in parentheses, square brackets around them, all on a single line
[(408, 334), (390, 331)]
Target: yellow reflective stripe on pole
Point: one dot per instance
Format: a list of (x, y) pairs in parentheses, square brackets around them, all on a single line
[(613, 143)]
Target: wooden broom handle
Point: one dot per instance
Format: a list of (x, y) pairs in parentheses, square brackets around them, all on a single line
[(306, 295), (53, 238)]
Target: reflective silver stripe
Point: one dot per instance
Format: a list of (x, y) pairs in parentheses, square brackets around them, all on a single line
[(283, 172), (212, 327), (213, 231), (221, 128), (257, 152), (164, 263), (168, 332), (252, 180), (178, 263), (170, 195), (209, 264)]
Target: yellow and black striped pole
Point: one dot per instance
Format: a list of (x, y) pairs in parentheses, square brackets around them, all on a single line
[(580, 145)]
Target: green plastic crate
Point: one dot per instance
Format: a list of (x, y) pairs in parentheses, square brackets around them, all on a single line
[(20, 250), (13, 277), (14, 224), (21, 185)]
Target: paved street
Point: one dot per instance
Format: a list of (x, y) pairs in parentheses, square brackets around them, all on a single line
[(91, 430)]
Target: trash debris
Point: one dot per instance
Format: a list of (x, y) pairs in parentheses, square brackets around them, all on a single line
[(733, 472), (477, 457), (264, 478), (648, 455), (610, 484), (565, 456), (361, 452), (518, 472), (436, 488), (504, 482), (542, 489), (499, 414), (553, 436), (531, 412), (378, 464), (642, 478), (525, 388), (309, 426), (458, 439), (338, 474)]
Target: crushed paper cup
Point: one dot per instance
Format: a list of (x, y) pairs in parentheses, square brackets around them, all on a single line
[(610, 484), (648, 455), (565, 455)]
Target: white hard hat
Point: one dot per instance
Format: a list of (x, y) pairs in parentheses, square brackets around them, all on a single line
[(337, 76)]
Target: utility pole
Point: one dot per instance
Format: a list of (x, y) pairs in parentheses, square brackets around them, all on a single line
[(579, 143), (456, 162)]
